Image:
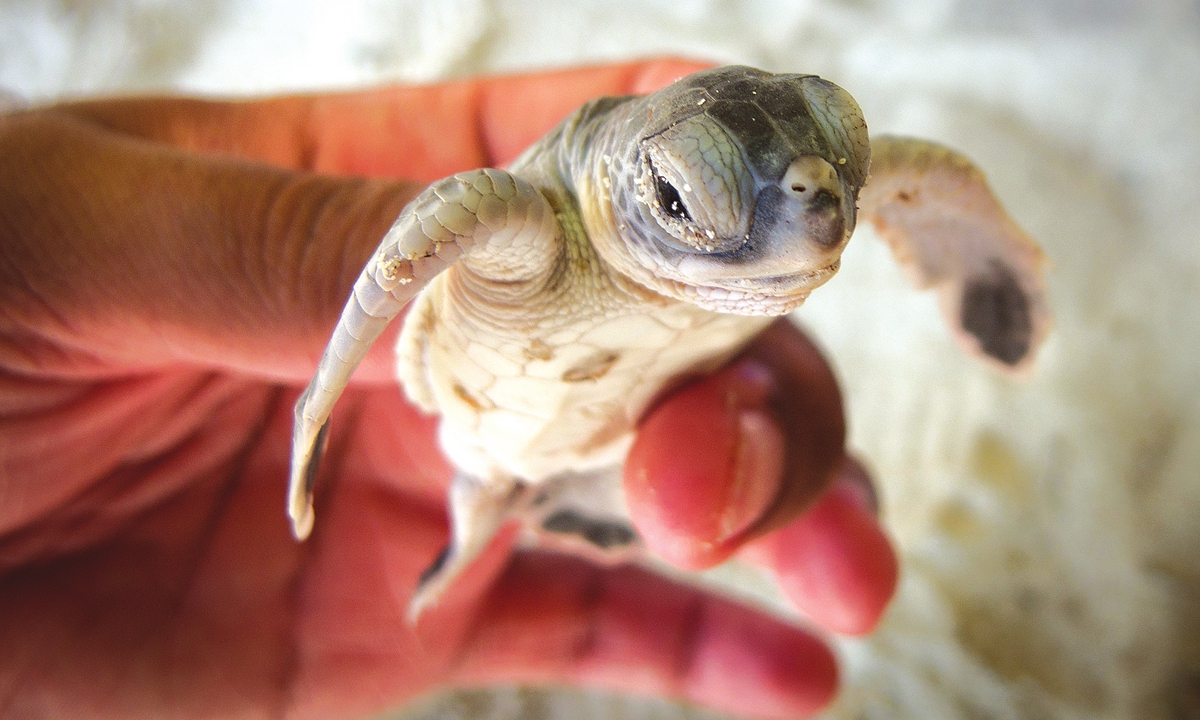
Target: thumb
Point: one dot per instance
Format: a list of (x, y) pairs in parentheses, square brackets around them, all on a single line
[(129, 253)]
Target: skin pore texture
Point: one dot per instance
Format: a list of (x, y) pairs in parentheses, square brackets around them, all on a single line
[(170, 270)]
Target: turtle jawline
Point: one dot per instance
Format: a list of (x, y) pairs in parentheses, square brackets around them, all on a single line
[(796, 285)]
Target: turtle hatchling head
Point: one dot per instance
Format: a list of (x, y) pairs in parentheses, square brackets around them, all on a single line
[(735, 189)]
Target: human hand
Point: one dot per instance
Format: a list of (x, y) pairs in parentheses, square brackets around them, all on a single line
[(169, 273)]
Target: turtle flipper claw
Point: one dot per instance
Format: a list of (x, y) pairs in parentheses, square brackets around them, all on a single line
[(307, 450)]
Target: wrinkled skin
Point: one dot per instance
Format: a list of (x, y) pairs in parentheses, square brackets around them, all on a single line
[(169, 272)]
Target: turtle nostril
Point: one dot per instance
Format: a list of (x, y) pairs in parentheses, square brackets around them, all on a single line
[(808, 176)]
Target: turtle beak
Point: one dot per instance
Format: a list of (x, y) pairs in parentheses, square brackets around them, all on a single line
[(811, 211)]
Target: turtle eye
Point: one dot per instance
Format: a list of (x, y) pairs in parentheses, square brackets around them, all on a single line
[(669, 200)]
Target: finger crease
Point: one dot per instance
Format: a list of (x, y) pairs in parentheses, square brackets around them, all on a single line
[(307, 143), (689, 639), (591, 597)]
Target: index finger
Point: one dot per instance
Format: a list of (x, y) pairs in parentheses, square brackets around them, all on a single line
[(419, 132)]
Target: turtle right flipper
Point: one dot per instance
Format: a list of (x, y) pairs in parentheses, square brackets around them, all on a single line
[(945, 226)]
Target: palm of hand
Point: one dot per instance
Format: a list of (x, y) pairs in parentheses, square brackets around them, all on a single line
[(145, 563)]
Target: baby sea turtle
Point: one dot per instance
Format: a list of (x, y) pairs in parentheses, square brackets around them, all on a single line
[(643, 239)]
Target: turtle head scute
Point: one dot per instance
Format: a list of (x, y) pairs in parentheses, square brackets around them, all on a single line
[(738, 187)]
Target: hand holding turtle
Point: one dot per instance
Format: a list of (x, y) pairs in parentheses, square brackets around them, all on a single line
[(169, 272)]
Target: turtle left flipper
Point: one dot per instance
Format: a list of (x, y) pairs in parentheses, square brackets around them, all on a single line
[(950, 233), (489, 218)]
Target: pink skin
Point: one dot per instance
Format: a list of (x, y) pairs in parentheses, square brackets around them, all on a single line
[(169, 273)]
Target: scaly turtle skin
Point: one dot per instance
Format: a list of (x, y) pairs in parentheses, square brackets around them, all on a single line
[(643, 239)]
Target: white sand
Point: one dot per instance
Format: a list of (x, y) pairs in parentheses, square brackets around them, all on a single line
[(1050, 530)]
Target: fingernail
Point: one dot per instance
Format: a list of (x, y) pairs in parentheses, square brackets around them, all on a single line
[(751, 382), (757, 469)]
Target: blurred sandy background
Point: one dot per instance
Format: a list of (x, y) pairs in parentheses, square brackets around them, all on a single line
[(1050, 530)]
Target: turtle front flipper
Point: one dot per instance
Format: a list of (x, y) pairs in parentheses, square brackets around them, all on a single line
[(944, 225), (500, 225)]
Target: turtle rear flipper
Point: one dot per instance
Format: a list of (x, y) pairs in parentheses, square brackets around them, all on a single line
[(478, 509), (585, 514), (578, 513)]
